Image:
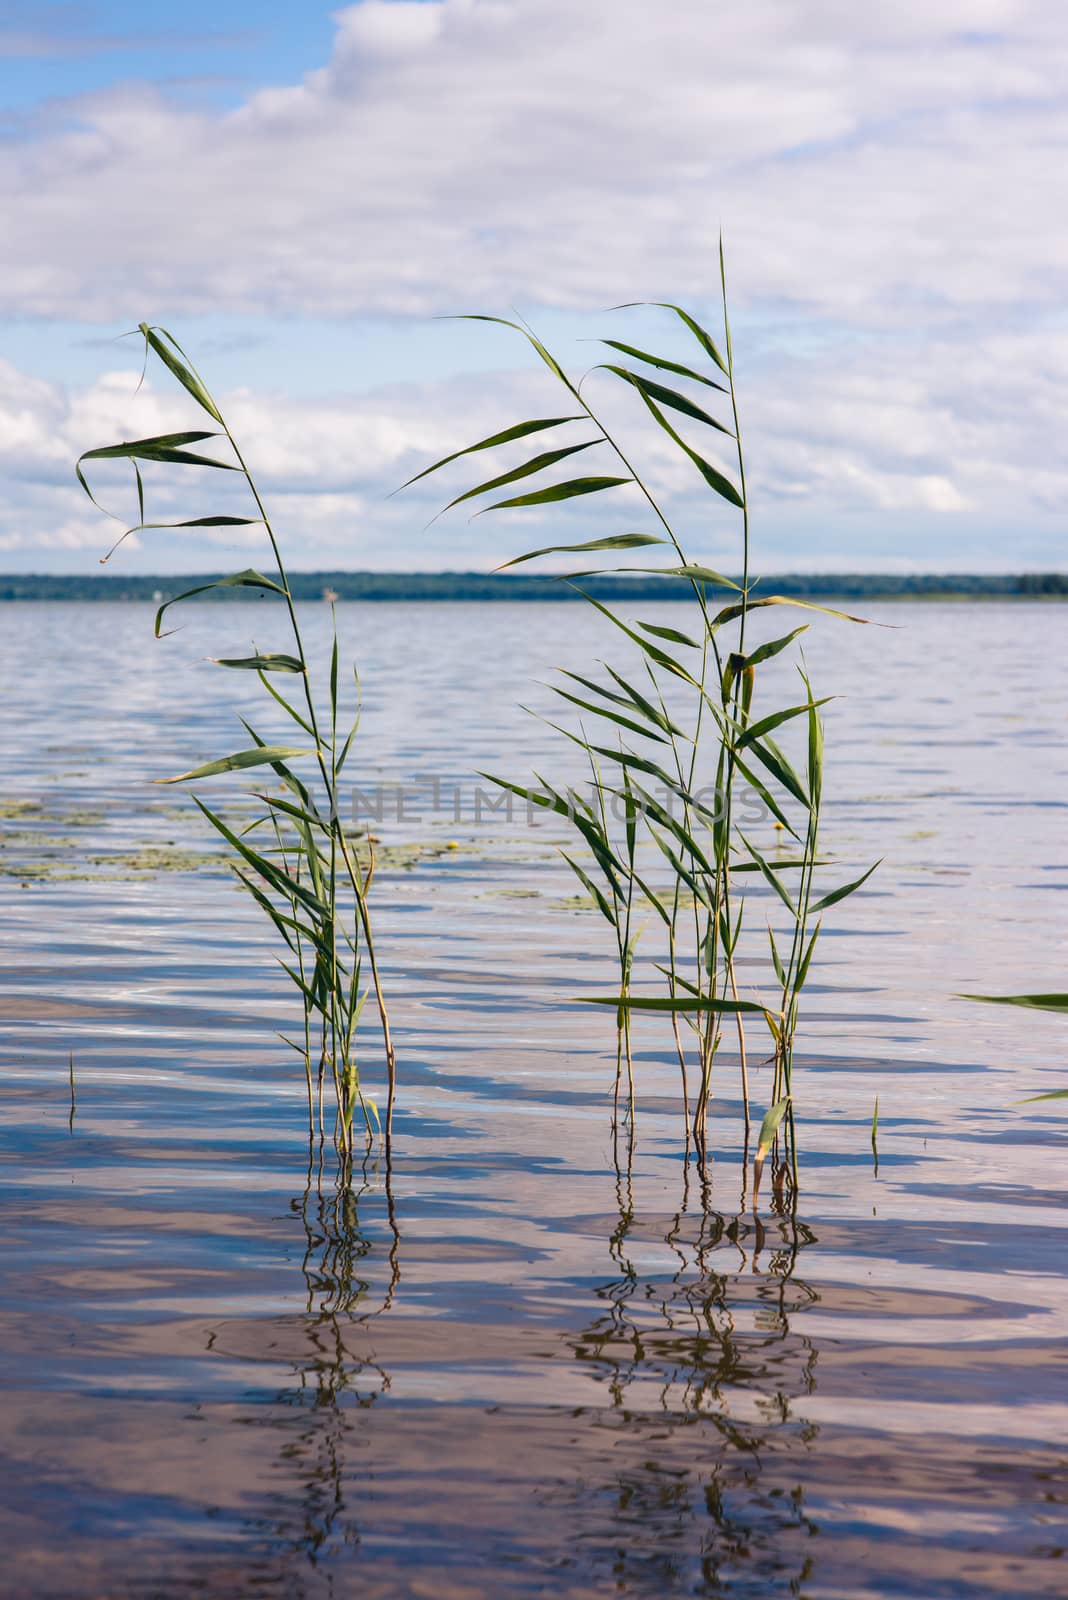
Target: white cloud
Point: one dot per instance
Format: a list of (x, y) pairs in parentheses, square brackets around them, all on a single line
[(888, 178), (882, 164), (901, 451)]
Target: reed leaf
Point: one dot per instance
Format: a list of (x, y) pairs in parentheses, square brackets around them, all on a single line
[(238, 762), (675, 1003), (616, 541), (666, 397), (263, 663), (249, 579), (548, 458), (766, 651), (730, 613), (171, 354), (557, 491), (769, 876), (522, 430), (713, 477), (770, 1126), (671, 635), (766, 725), (835, 895), (662, 364), (1030, 1002)]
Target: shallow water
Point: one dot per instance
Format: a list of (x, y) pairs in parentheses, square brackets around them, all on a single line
[(514, 1369)]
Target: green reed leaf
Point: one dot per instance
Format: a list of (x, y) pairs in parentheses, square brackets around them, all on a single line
[(300, 814), (672, 635), (713, 477), (1031, 1002), (833, 898), (666, 820), (732, 611), (667, 397), (548, 458), (503, 322), (663, 364), (770, 756), (249, 579), (646, 707), (766, 796), (521, 431), (769, 876), (781, 864), (191, 522), (806, 959), (653, 899), (691, 571), (770, 1127), (681, 871), (281, 921), (815, 748), (148, 449), (264, 663), (158, 449), (612, 716), (776, 959), (291, 711), (673, 1003), (241, 759), (557, 491), (185, 375), (591, 888), (758, 730), (279, 880), (699, 574), (617, 541), (653, 651), (772, 648), (704, 339), (580, 818), (677, 977)]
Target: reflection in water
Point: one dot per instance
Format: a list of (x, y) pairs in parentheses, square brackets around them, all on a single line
[(679, 1473), (332, 1385), (701, 1370)]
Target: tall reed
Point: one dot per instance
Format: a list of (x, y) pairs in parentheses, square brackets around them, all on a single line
[(306, 873), (685, 725)]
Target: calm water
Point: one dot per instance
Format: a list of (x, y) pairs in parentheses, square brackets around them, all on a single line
[(515, 1370)]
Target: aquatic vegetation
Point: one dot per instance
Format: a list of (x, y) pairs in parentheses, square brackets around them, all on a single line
[(681, 749), (305, 872), (1030, 1002)]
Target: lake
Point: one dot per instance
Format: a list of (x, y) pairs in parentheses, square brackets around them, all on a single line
[(517, 1365)]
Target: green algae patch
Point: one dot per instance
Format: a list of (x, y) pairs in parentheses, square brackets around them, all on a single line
[(13, 810), (156, 858), (413, 853)]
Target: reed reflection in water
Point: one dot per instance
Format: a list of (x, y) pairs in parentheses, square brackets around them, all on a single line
[(689, 1375)]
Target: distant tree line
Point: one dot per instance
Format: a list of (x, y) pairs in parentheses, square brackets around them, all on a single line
[(517, 586)]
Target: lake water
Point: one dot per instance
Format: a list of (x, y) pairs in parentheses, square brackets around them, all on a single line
[(514, 1369)]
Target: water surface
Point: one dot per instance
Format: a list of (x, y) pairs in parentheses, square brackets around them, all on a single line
[(517, 1367)]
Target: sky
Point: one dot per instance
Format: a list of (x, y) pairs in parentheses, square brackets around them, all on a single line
[(305, 196)]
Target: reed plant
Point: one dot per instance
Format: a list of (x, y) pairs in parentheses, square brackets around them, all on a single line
[(675, 743), (309, 876)]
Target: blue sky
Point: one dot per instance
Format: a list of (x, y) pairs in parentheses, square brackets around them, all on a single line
[(302, 193), (223, 54)]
